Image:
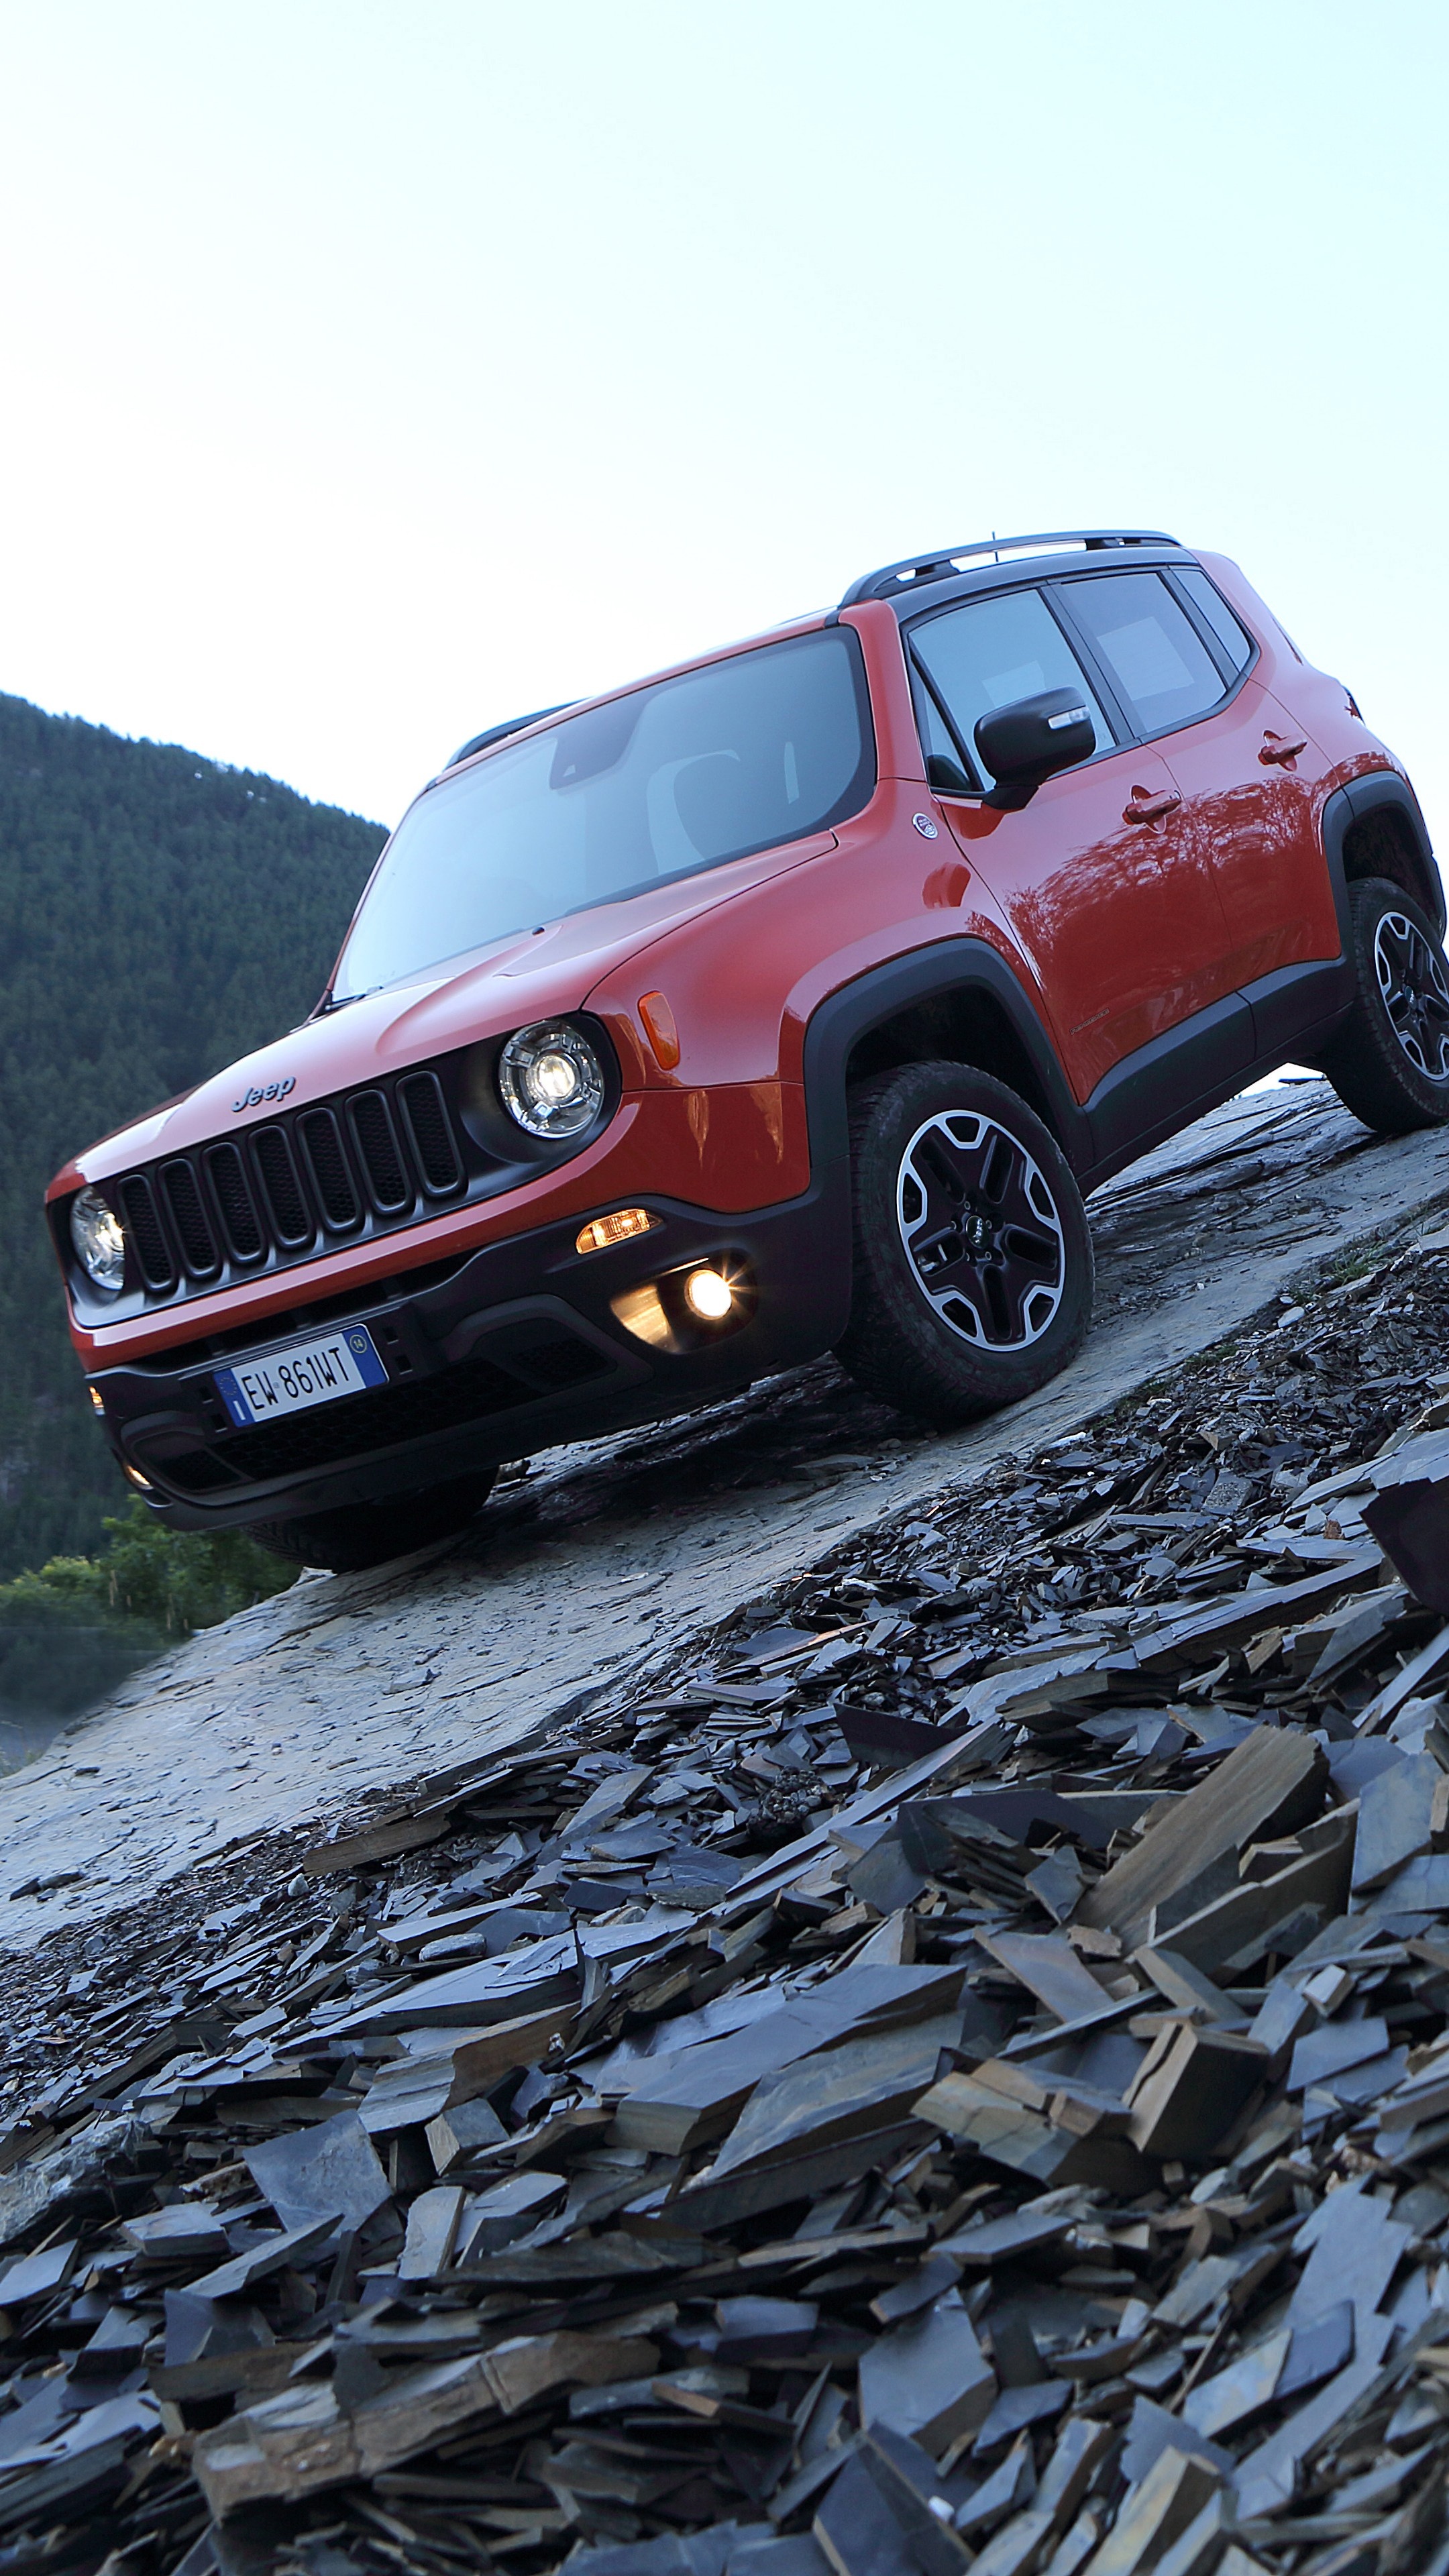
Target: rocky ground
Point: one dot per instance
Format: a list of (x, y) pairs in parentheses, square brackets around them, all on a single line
[(597, 1562), (944, 2066)]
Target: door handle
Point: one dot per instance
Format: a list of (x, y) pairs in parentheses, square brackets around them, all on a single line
[(1279, 746), (1149, 809)]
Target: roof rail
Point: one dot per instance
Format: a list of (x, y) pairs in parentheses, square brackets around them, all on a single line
[(891, 579), (500, 732)]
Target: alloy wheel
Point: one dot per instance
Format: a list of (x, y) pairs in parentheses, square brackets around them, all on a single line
[(981, 1230), (1415, 994)]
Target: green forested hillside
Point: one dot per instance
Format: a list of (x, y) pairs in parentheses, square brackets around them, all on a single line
[(159, 914)]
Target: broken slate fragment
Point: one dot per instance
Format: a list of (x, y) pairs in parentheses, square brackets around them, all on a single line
[(857, 2527), (607, 1802), (1354, 2248), (1010, 2487), (331, 2167), (455, 2136), (1057, 1884), (1153, 2434), (39, 2275), (1409, 1516), (1325, 2052), (184, 2232), (431, 2231), (259, 2261), (506, 2210), (754, 2330), (1250, 2383), (921, 2500), (1050, 1969), (1401, 1810), (1193, 2083), (1017, 2408), (1317, 2350), (1158, 2509), (928, 2378), (1266, 1787)]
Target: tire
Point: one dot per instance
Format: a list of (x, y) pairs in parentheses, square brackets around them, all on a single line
[(364, 1534), (972, 1260), (1389, 1062)]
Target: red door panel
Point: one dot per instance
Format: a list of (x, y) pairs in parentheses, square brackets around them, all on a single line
[(1119, 920), (1253, 822)]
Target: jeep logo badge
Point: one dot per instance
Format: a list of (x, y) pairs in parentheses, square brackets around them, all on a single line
[(274, 1091)]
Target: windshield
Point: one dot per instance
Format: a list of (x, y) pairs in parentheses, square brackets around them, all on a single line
[(766, 747)]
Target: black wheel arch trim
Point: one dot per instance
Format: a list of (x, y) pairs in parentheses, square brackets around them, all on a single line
[(1379, 791), (948, 970)]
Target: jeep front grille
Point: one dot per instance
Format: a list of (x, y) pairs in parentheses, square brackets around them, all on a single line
[(235, 1202), (322, 1146), (181, 1188), (338, 1169), (143, 1226), (420, 1097), (371, 1123), (272, 1159)]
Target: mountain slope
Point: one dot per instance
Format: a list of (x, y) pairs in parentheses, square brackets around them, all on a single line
[(159, 914)]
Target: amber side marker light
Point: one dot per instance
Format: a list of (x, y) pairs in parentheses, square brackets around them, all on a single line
[(601, 1231), (661, 1029)]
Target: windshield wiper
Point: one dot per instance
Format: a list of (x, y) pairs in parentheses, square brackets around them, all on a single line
[(338, 1001)]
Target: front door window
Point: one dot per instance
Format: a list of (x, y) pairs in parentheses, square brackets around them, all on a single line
[(987, 656)]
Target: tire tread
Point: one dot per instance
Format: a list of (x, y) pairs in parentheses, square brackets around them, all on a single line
[(1364, 1061)]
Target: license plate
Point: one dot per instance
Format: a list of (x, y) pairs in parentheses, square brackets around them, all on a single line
[(305, 1373)]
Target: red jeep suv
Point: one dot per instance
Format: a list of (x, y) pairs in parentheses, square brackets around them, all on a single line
[(788, 1002)]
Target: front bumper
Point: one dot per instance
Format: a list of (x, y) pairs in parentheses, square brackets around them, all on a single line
[(514, 1347)]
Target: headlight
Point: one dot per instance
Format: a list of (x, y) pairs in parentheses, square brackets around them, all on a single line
[(99, 1239), (551, 1080)]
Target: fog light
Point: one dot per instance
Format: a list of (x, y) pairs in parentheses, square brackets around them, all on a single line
[(708, 1295), (143, 1483), (601, 1231), (97, 1399), (688, 1309)]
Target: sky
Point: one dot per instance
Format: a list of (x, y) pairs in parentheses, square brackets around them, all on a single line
[(371, 373)]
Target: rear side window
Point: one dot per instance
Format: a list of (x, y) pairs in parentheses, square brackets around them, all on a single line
[(1211, 606), (1149, 648), (992, 653)]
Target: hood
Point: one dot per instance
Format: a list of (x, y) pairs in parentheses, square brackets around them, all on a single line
[(532, 975)]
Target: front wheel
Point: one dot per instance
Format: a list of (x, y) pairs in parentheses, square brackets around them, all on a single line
[(973, 1260), (359, 1535), (1389, 1061)]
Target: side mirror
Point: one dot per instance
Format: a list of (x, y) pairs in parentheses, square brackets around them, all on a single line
[(1031, 740)]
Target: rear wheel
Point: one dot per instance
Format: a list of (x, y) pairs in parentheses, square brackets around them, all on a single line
[(363, 1534), (1389, 1062), (973, 1260)]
